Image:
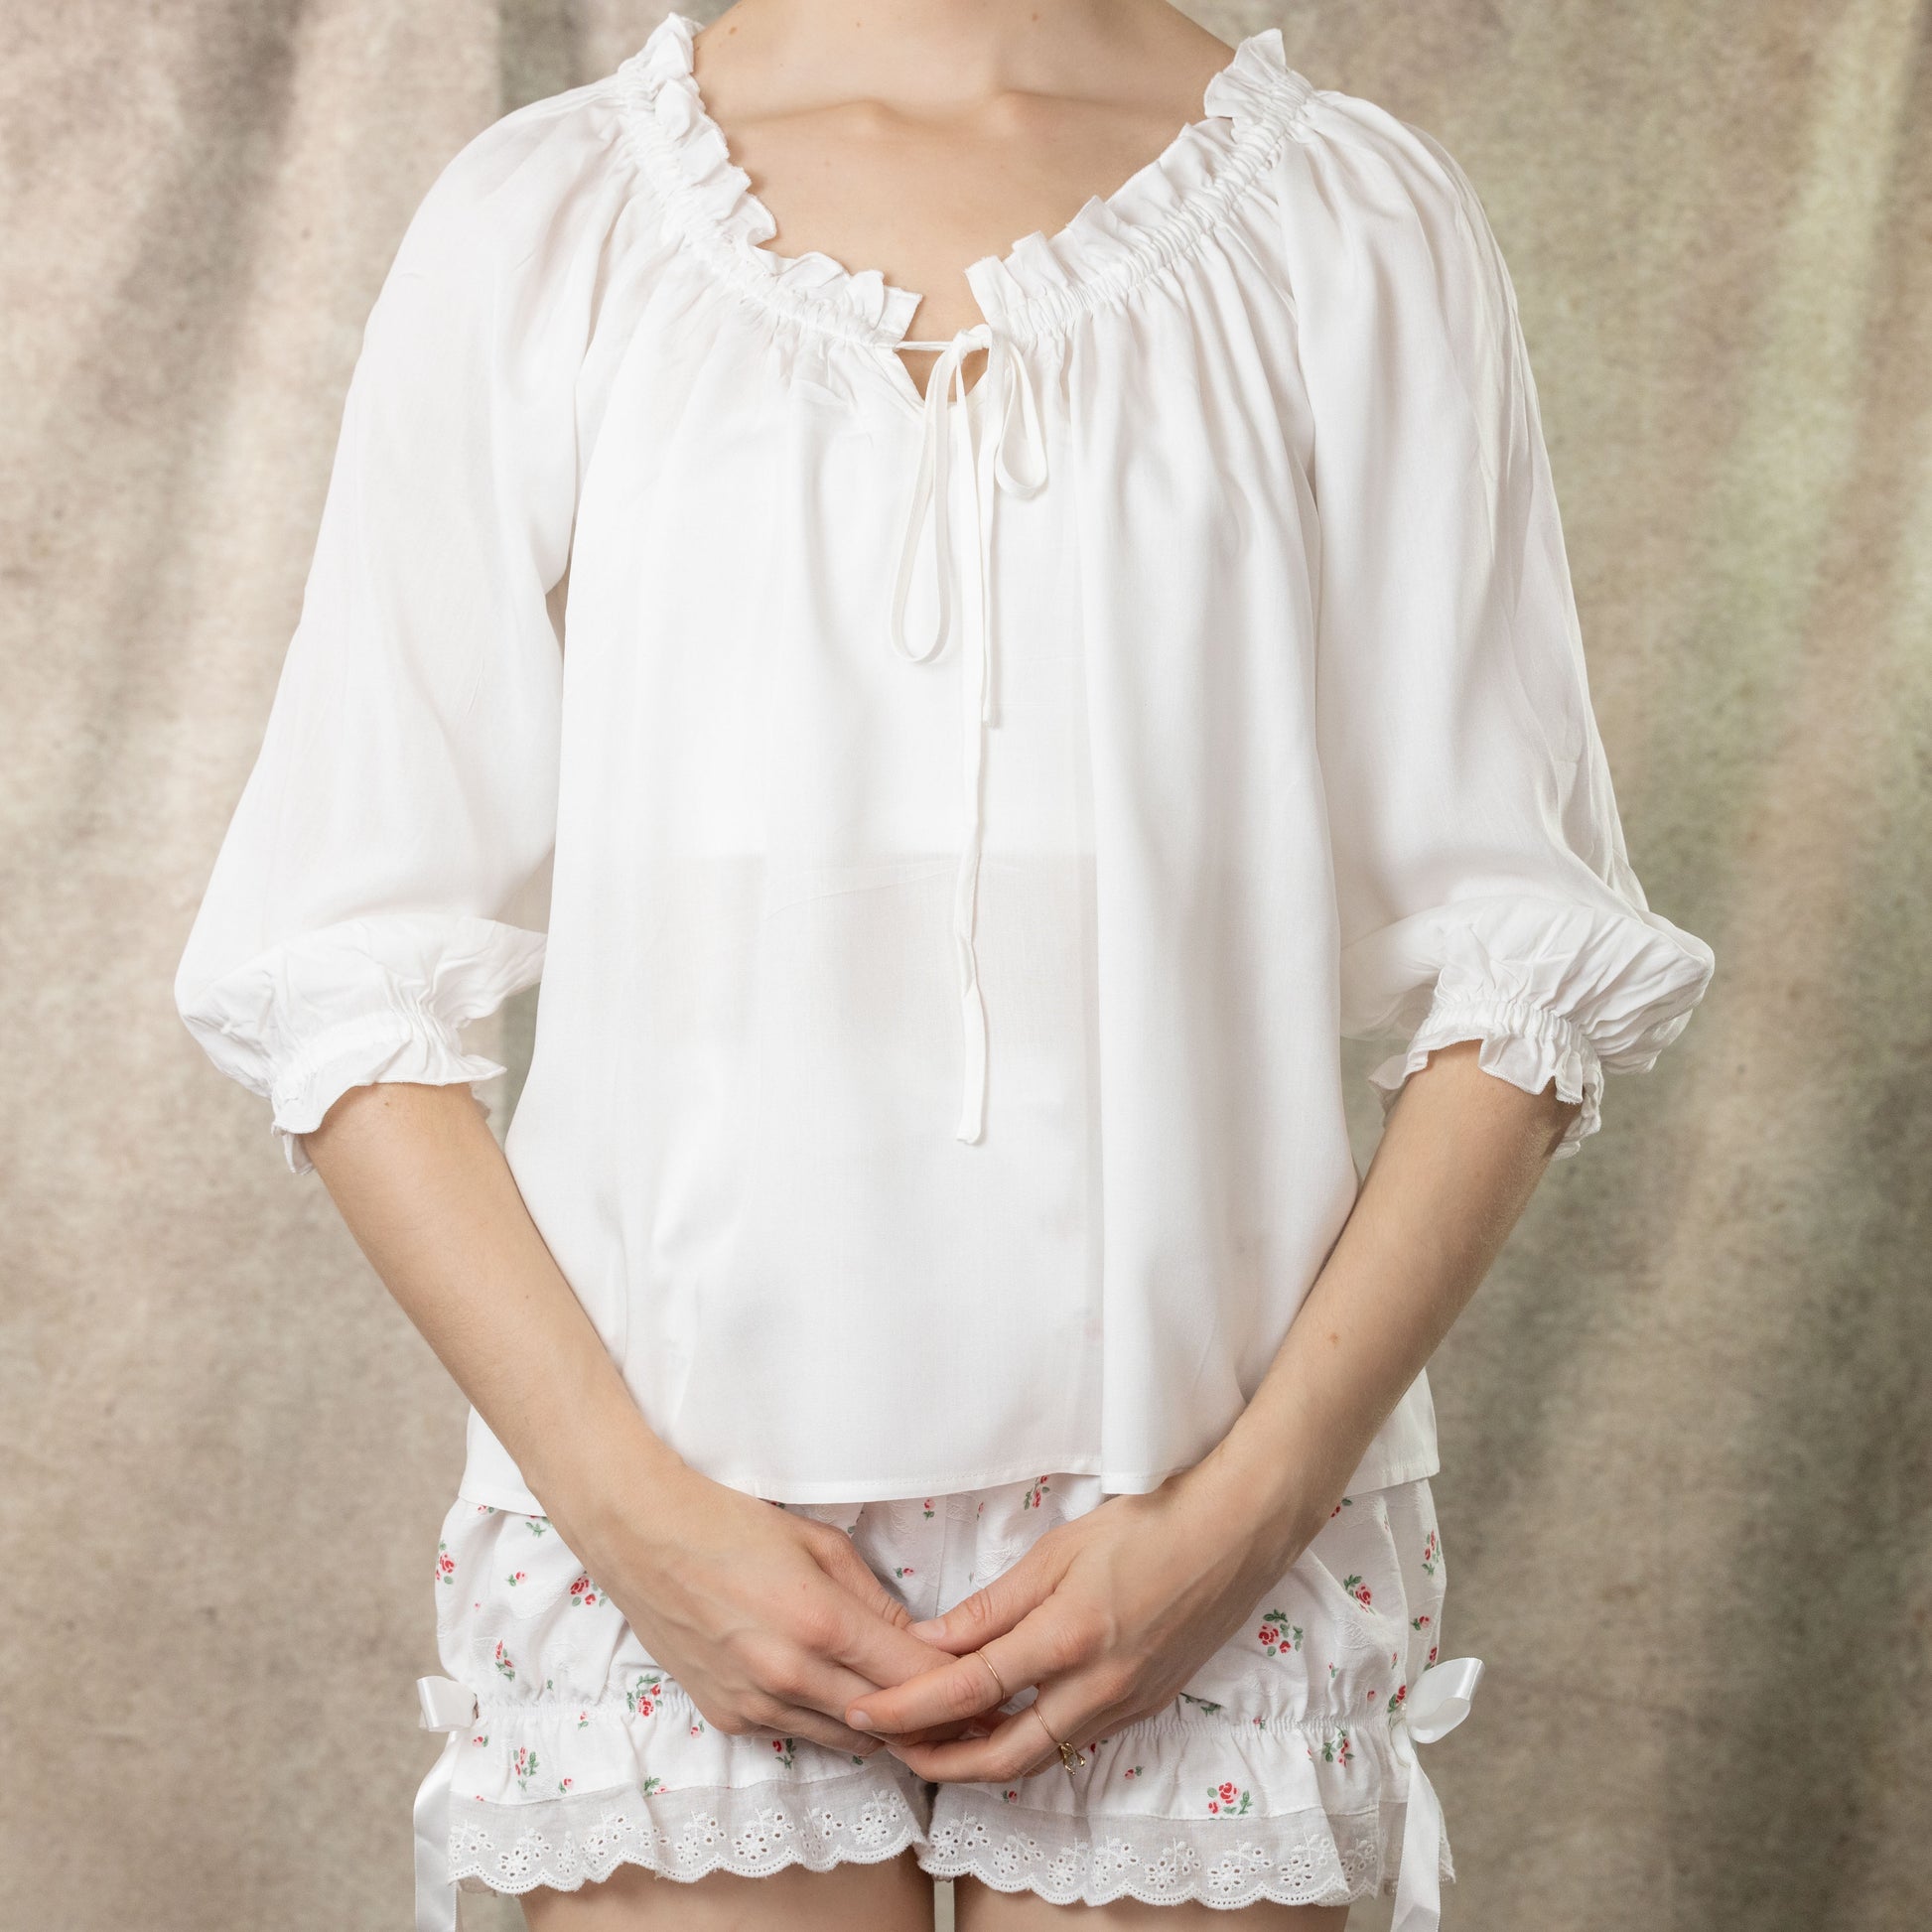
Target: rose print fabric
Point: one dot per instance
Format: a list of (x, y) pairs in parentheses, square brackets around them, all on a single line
[(1273, 1774)]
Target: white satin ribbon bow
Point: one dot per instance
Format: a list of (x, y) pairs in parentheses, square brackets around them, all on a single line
[(1436, 1703), (1008, 383), (451, 1707)]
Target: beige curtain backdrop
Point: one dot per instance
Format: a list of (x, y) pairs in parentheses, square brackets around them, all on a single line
[(1688, 1422)]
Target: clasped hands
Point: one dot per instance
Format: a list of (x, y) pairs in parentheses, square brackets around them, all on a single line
[(773, 1621), (1106, 1617)]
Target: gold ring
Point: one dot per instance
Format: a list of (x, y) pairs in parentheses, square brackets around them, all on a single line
[(988, 1662), (1070, 1755)]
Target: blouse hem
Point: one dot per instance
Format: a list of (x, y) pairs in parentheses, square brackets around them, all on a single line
[(1374, 1472)]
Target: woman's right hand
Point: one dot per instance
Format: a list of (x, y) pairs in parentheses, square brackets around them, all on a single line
[(769, 1620)]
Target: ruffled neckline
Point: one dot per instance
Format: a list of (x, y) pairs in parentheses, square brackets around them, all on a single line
[(1043, 283)]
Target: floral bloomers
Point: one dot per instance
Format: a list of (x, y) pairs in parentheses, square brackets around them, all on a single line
[(1278, 1772)]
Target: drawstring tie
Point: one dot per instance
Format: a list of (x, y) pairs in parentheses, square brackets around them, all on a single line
[(1008, 383), (1432, 1706), (447, 1707)]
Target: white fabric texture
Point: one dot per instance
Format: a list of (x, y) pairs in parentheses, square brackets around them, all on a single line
[(1283, 1770), (952, 832)]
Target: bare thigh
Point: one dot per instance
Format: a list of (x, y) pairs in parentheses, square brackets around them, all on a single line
[(894, 1895), (980, 1908)]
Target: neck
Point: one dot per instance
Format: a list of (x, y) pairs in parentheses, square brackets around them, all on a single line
[(967, 49)]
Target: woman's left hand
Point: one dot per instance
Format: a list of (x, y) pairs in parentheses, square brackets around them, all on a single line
[(1109, 1616)]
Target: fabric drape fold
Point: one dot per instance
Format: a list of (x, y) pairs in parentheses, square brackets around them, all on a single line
[(1482, 882)]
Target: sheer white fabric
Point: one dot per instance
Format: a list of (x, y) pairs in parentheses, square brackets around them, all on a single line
[(936, 1076)]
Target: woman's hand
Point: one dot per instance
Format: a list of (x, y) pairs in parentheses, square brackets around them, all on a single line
[(1109, 1616), (767, 1618), (770, 1621), (1112, 1614)]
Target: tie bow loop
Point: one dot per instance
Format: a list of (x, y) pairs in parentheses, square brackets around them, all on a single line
[(1009, 404)]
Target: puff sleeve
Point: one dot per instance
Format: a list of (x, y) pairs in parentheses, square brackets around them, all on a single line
[(1484, 888), (366, 901)]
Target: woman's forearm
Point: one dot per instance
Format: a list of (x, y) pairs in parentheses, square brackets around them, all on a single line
[(1460, 1155), (430, 1199), (767, 1620), (1112, 1614)]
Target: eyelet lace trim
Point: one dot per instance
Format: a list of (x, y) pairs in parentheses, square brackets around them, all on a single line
[(1307, 1858), (565, 1843)]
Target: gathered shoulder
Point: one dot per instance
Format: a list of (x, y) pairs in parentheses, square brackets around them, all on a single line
[(1378, 210), (553, 170), (1386, 161)]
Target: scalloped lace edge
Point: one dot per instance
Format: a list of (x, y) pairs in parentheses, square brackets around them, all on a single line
[(752, 1830), (1304, 1857)]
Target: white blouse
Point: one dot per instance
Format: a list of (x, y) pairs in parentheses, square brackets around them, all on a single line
[(953, 835)]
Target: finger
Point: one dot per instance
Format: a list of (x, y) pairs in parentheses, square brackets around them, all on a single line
[(880, 1651), (838, 1610), (956, 1690), (786, 1723), (827, 1689), (804, 1670), (1026, 1743), (1001, 1764), (834, 1554), (898, 1652), (952, 1694), (1056, 1637), (989, 1612), (939, 1733)]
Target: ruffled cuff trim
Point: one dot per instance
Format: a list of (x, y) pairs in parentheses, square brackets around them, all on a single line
[(381, 998), (1521, 1043), (383, 1047)]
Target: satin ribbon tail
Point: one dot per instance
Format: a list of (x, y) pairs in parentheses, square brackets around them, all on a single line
[(1436, 1704), (449, 1707)]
